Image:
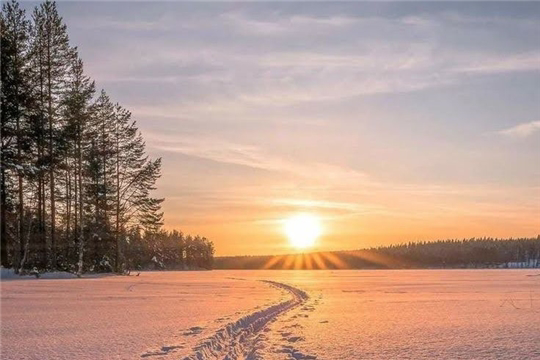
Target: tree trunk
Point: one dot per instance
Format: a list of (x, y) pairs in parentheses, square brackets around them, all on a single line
[(39, 217), (81, 207), (68, 200), (76, 200), (104, 203), (51, 155), (20, 215), (98, 224), (42, 241), (3, 230), (117, 232), (26, 244)]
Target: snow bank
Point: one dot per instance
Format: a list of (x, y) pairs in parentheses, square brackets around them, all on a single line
[(10, 274), (532, 263)]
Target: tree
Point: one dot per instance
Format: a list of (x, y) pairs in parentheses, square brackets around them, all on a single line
[(75, 180), (76, 105), (15, 103), (101, 167), (53, 56), (135, 177)]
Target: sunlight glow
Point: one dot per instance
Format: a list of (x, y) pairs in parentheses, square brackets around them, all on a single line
[(302, 230)]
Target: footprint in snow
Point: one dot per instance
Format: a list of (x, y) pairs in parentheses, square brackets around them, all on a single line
[(300, 356), (287, 349), (195, 330), (165, 350), (294, 339), (293, 326), (295, 353)]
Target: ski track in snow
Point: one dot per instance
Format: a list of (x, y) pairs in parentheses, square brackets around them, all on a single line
[(244, 338)]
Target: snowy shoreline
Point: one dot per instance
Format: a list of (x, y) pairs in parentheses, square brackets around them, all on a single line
[(7, 274)]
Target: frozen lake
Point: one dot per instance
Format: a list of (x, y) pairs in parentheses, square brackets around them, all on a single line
[(357, 314)]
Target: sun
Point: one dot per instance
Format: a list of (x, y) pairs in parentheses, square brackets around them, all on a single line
[(302, 230)]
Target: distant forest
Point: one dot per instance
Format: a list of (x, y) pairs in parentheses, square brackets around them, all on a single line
[(468, 253), (76, 181)]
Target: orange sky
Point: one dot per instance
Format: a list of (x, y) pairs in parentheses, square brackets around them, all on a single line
[(251, 224)]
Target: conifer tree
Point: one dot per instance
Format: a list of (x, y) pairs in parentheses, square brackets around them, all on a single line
[(15, 105), (76, 104), (54, 54), (135, 177), (75, 180), (101, 166)]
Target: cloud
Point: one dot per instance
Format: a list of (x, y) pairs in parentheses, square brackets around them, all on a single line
[(257, 57), (517, 62), (253, 157), (283, 25), (287, 77), (521, 130), (110, 23)]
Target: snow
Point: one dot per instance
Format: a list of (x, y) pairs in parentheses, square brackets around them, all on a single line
[(241, 337), (379, 314), (121, 317), (411, 314), (532, 263), (6, 274)]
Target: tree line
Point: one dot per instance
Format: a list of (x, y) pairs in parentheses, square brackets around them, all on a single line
[(466, 253), (75, 182)]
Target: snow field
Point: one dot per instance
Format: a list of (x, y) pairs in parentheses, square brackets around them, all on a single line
[(295, 315)]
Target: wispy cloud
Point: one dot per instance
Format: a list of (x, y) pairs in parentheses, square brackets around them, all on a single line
[(522, 130), (493, 65), (284, 25), (283, 78), (111, 23), (254, 157)]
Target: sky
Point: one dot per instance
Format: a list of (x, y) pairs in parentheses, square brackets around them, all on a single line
[(391, 122)]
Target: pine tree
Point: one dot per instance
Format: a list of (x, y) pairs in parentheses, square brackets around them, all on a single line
[(101, 166), (54, 54), (76, 105), (15, 103), (135, 177), (75, 181)]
